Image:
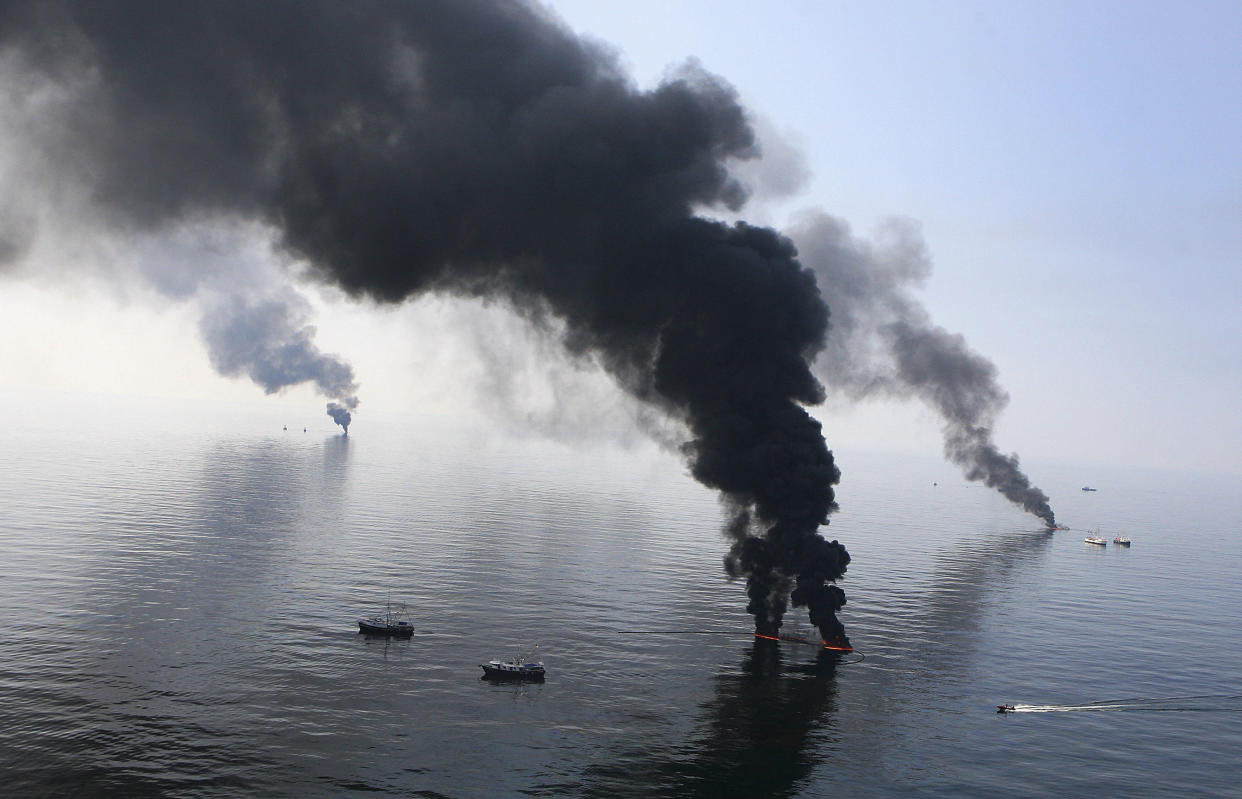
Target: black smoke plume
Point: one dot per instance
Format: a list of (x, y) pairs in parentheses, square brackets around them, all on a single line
[(341, 415), (884, 342), (477, 149)]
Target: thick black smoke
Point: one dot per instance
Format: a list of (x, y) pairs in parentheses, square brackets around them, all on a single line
[(341, 414), (883, 342), (477, 149)]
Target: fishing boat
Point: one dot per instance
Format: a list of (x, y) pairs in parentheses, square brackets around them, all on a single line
[(1095, 539), (521, 667), (395, 622), (1121, 541)]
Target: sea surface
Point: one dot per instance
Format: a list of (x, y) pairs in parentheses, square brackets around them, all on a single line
[(180, 590)]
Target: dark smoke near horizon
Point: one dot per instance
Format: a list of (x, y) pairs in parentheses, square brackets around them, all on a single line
[(341, 415), (270, 341), (476, 149), (884, 342)]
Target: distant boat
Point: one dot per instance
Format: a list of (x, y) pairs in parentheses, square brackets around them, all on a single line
[(395, 622), (522, 667), (1121, 541), (1087, 488), (1096, 539)]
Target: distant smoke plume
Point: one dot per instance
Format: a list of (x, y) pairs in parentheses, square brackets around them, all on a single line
[(883, 342), (340, 414), (269, 340)]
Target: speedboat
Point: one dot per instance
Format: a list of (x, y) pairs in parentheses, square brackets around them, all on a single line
[(394, 623), (519, 668), (1095, 539), (1005, 708)]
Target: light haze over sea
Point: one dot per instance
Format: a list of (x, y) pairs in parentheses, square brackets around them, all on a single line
[(182, 586)]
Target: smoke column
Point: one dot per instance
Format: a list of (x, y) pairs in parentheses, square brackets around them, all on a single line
[(883, 342), (270, 341), (475, 149), (341, 414)]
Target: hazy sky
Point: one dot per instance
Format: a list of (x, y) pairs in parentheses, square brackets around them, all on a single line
[(1073, 168)]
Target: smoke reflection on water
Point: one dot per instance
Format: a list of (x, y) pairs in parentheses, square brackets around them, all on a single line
[(773, 723), (755, 735)]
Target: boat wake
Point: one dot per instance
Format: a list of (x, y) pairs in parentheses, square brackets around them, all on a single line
[(1218, 703)]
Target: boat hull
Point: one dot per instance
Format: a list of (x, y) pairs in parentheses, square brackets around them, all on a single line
[(512, 675)]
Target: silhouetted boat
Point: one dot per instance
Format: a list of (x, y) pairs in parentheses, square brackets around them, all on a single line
[(395, 622), (1005, 708), (1087, 488)]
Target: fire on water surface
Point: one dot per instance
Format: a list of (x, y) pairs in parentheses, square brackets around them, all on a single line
[(837, 645)]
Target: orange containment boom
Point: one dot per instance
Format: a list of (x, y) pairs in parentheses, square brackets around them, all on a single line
[(836, 646)]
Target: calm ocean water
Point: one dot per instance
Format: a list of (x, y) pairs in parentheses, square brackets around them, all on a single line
[(180, 591)]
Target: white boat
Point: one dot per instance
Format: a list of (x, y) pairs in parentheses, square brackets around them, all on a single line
[(1095, 539)]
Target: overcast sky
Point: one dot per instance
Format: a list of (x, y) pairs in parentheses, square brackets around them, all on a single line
[(1073, 168)]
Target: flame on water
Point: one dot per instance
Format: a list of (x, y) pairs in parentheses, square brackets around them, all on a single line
[(837, 646)]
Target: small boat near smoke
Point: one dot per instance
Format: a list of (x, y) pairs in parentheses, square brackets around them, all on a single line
[(521, 667), (394, 623)]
